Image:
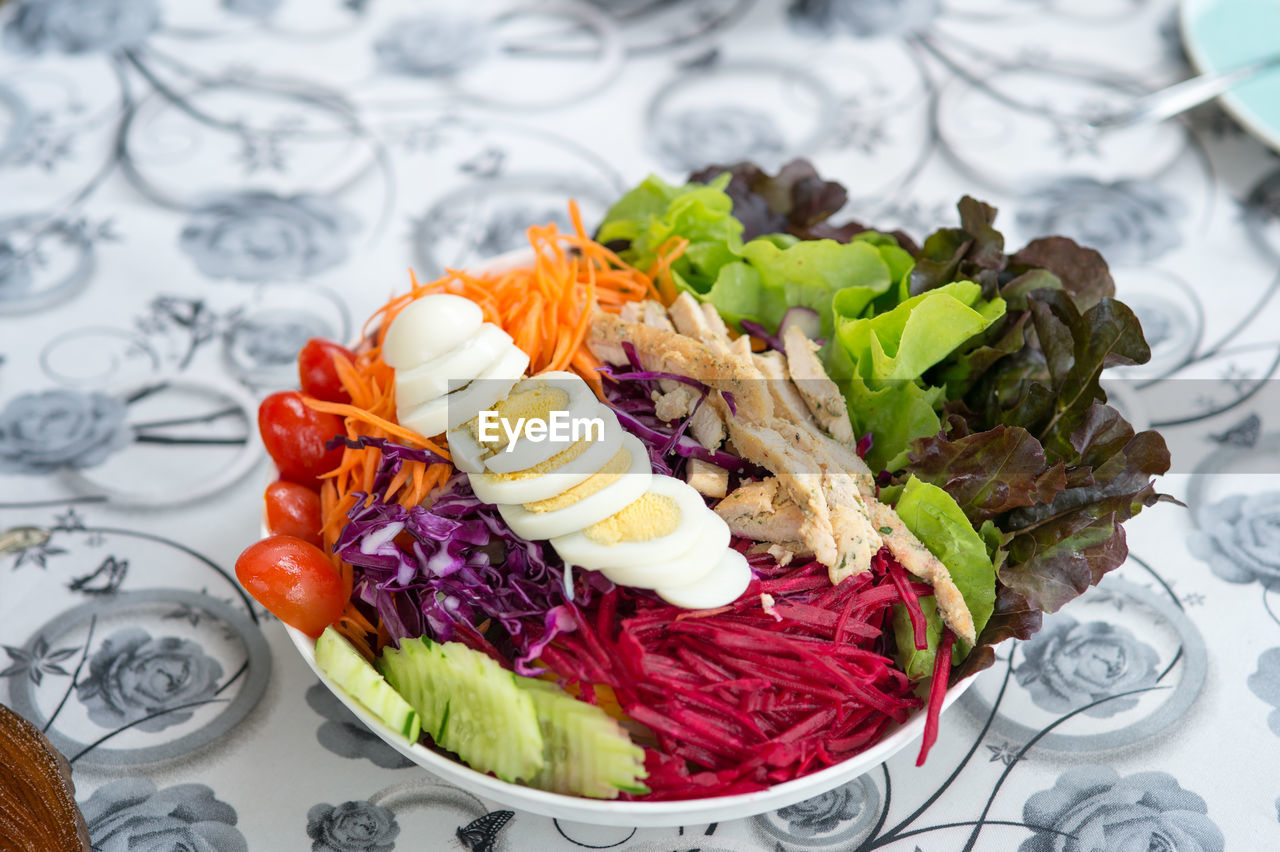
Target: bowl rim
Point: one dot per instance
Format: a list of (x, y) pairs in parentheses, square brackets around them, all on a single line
[(613, 811)]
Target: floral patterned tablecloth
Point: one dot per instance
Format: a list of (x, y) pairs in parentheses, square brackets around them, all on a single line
[(188, 191)]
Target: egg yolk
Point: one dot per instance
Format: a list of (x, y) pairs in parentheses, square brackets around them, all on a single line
[(607, 475), (533, 403), (652, 516)]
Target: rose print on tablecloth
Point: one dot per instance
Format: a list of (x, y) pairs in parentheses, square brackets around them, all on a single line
[(1092, 808), (258, 235), (694, 137), (352, 827), (1265, 683), (1240, 538), (430, 45), (42, 432), (252, 8), (15, 270), (1068, 665), (821, 814), (131, 814), (80, 26), (345, 735), (863, 18), (133, 676), (1129, 221)]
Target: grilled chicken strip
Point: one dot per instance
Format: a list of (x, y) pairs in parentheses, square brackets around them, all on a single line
[(823, 496), (823, 398), (677, 353)]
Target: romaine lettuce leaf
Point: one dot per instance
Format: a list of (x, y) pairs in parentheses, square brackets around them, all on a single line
[(941, 526), (889, 353)]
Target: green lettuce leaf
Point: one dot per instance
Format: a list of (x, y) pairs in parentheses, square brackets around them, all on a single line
[(813, 272), (649, 215), (941, 526), (890, 351)]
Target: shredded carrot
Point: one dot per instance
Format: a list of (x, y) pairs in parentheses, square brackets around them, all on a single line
[(545, 306)]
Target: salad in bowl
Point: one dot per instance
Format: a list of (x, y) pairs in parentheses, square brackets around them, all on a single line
[(712, 507)]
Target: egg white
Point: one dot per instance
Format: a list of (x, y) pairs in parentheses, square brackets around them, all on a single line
[(523, 454), (578, 549), (429, 327), (723, 585), (454, 409), (511, 488), (612, 498), (452, 369)]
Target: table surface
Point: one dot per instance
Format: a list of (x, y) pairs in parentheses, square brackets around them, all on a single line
[(190, 190)]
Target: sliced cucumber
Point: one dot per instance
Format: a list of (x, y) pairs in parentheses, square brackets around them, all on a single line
[(353, 673), (587, 753), (469, 704)]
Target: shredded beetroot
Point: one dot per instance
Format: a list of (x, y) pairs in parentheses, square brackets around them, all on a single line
[(739, 698), (910, 601), (937, 690)]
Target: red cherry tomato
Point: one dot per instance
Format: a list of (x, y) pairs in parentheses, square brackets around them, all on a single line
[(295, 436), (316, 372), (294, 580), (293, 509)]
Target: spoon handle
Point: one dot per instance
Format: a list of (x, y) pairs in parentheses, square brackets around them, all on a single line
[(1180, 97)]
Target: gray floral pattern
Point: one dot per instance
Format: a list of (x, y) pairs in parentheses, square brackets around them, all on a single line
[(1068, 665), (80, 26), (134, 678), (352, 827), (1092, 808), (252, 8), (1240, 538), (1265, 683), (1129, 221), (1263, 201), (864, 18), (259, 236), (430, 45), (718, 134), (823, 814), (132, 815), (345, 735), (15, 270), (43, 432)]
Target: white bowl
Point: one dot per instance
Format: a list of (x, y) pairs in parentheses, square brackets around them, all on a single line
[(610, 812), (641, 814)]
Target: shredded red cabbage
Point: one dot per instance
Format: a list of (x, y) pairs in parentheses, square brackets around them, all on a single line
[(758, 331), (631, 396), (440, 571), (393, 457)]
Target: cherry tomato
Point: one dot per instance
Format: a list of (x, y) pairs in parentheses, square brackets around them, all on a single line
[(294, 580), (295, 436), (316, 372), (293, 509)]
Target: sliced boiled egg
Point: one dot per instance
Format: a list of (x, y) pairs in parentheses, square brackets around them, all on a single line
[(468, 456), (562, 402), (723, 585), (619, 483), (427, 328), (454, 368), (571, 466), (662, 524), (680, 569), (454, 409)]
